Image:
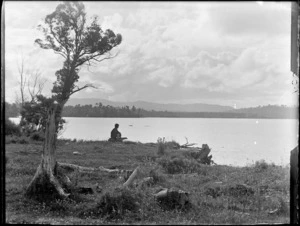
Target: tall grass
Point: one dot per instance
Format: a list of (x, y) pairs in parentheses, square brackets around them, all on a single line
[(218, 194), (161, 148)]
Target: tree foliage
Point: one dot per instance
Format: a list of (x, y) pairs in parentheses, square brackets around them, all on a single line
[(67, 33), (35, 113)]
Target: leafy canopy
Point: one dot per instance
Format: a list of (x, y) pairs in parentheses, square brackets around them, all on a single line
[(67, 33)]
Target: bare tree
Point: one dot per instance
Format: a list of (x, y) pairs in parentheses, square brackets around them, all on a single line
[(31, 85), (22, 80), (35, 87)]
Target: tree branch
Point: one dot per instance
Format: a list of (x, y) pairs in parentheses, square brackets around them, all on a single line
[(78, 89), (94, 57)]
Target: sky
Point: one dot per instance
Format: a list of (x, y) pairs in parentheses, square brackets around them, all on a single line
[(227, 53)]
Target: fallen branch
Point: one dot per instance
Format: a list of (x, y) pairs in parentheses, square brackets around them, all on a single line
[(101, 168), (186, 145), (131, 178), (74, 167)]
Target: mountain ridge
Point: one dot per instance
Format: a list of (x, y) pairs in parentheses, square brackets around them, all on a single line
[(195, 107)]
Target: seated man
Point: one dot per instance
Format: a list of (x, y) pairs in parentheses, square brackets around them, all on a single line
[(115, 135)]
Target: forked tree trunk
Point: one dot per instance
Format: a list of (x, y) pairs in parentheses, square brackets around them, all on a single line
[(45, 181)]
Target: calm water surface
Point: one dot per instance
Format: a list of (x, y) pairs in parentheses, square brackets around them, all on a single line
[(233, 141)]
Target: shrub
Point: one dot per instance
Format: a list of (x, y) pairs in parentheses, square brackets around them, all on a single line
[(177, 165), (11, 128), (172, 144), (161, 146), (37, 136), (23, 141), (157, 176), (261, 165), (283, 208), (114, 204)]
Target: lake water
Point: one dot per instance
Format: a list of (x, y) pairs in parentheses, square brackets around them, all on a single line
[(233, 141)]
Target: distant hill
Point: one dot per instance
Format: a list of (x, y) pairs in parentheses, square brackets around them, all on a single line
[(269, 111), (197, 107)]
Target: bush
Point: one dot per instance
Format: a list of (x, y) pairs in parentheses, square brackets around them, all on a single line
[(261, 165), (177, 165), (11, 128), (114, 204), (37, 136), (161, 146), (157, 176), (23, 141), (172, 144)]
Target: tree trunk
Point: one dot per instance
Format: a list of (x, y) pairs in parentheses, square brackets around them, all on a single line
[(45, 181)]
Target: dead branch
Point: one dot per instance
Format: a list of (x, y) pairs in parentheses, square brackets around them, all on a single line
[(131, 178), (101, 168), (81, 88), (84, 169), (38, 84), (186, 145), (73, 167)]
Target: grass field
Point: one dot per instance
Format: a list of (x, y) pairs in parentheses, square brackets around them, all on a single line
[(215, 197)]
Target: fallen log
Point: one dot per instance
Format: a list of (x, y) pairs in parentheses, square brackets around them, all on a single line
[(131, 178), (101, 168), (88, 190), (73, 167)]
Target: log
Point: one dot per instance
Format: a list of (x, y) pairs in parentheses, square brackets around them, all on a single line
[(101, 168), (74, 167), (131, 178)]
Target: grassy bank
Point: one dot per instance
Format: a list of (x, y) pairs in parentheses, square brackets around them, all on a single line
[(215, 197)]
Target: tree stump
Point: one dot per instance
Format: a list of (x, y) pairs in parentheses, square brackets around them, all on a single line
[(173, 199)]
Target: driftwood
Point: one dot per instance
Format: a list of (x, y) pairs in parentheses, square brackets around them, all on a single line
[(88, 190), (187, 144), (73, 167), (131, 178)]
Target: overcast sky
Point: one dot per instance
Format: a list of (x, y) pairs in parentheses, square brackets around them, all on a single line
[(227, 53)]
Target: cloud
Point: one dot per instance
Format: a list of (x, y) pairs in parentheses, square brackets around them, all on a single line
[(164, 76), (172, 51), (249, 18)]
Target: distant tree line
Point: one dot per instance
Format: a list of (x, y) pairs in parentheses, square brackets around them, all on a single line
[(99, 110), (270, 111), (12, 110)]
